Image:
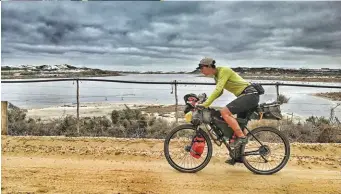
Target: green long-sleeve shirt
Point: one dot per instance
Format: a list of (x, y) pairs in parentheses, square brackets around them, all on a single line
[(228, 79)]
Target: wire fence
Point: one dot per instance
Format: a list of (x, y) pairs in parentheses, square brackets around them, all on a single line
[(77, 93)]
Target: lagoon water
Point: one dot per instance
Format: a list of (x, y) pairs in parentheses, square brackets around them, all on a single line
[(38, 95)]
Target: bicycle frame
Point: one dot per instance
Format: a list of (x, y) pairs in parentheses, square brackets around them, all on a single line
[(223, 140), (220, 139)]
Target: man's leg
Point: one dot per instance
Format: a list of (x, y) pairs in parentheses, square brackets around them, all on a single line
[(243, 116), (232, 122), (229, 119), (227, 115), (239, 106)]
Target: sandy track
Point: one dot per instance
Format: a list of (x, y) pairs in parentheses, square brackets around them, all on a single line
[(109, 165)]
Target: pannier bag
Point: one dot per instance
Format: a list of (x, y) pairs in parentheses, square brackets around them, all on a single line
[(270, 111), (198, 146)]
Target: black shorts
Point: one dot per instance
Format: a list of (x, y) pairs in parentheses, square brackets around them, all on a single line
[(243, 103)]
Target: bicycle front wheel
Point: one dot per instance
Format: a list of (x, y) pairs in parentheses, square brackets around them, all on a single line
[(177, 148), (267, 151)]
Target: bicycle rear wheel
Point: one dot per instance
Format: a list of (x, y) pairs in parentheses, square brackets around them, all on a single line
[(267, 151), (177, 149)]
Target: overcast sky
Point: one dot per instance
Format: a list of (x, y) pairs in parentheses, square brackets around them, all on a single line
[(171, 35)]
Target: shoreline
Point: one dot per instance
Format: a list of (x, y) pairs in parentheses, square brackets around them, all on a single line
[(303, 79), (57, 77), (99, 109), (291, 78), (264, 73), (250, 77), (334, 96)]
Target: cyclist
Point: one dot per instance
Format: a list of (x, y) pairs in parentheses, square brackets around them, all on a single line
[(247, 98)]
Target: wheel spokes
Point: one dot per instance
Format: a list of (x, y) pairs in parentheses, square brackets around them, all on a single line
[(267, 150), (179, 147)]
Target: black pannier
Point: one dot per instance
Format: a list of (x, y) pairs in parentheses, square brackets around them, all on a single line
[(270, 111)]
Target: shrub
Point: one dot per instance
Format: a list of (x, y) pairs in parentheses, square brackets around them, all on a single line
[(317, 121), (115, 116), (131, 123), (328, 134), (314, 130), (283, 99), (159, 129), (126, 123)]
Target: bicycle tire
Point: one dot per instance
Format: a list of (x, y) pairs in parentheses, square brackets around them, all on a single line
[(179, 168), (284, 161)]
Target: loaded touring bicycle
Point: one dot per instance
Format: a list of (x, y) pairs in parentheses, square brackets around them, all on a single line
[(188, 147)]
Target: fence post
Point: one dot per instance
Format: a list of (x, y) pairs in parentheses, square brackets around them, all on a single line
[(176, 101), (4, 117), (77, 106), (277, 90)]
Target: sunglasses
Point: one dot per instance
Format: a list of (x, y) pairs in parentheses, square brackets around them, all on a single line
[(202, 66)]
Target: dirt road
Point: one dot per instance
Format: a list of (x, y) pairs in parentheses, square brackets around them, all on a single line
[(109, 165)]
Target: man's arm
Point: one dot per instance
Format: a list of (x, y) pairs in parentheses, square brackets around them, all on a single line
[(222, 79), (221, 93)]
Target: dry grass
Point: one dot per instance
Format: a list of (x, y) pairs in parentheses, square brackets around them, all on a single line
[(129, 123), (319, 130), (137, 123)]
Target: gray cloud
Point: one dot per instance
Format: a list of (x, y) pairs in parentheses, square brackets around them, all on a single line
[(161, 34)]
